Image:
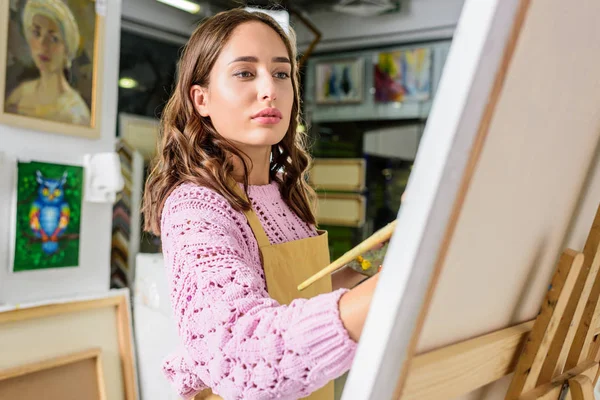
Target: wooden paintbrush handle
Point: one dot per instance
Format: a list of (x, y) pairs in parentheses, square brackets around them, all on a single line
[(378, 237)]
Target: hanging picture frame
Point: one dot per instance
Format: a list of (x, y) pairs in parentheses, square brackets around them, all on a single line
[(340, 81), (402, 75), (51, 58), (46, 220)]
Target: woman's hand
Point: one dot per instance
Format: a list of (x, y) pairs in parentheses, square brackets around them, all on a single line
[(354, 306), (360, 269)]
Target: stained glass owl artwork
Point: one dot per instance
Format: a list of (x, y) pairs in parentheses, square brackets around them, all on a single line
[(50, 213)]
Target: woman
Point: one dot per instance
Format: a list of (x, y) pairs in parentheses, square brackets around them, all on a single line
[(229, 199), (53, 38)]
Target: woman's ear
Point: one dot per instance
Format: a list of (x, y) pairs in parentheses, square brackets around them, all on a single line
[(199, 96)]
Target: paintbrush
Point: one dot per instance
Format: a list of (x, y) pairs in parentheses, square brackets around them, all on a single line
[(381, 236)]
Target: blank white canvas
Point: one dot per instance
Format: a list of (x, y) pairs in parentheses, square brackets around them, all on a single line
[(533, 171), (466, 82)]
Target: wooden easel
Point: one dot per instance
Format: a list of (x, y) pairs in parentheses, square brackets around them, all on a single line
[(555, 356), (560, 359)]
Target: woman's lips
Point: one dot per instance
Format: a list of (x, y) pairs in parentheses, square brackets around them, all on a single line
[(267, 120), (268, 116), (44, 58)]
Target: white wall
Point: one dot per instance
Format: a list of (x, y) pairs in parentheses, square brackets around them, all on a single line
[(96, 220), (418, 20)]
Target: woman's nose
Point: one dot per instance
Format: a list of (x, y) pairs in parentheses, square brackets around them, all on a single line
[(267, 90)]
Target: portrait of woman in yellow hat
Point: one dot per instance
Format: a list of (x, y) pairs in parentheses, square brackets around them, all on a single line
[(49, 71)]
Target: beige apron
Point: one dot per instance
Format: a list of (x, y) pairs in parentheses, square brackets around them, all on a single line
[(286, 265)]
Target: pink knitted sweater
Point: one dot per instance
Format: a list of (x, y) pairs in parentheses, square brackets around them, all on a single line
[(235, 338)]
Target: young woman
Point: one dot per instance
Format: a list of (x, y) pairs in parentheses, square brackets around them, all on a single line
[(229, 198), (53, 39)]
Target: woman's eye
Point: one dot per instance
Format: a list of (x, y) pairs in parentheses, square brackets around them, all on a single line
[(36, 33), (55, 39), (243, 74), (282, 75)]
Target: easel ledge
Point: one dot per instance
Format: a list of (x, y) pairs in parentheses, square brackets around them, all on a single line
[(556, 353), (466, 366)]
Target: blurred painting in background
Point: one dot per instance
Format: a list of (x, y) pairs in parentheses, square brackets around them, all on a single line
[(403, 76), (340, 81)]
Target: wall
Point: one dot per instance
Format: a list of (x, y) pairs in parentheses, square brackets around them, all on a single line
[(418, 20), (92, 275)]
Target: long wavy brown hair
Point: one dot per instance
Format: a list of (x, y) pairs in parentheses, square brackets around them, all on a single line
[(191, 150)]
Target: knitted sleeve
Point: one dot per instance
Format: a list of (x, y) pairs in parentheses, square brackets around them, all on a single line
[(236, 339)]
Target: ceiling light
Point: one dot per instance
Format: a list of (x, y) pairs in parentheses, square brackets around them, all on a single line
[(128, 83), (365, 8), (184, 5)]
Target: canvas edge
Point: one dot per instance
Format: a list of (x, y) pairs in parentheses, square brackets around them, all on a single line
[(475, 56)]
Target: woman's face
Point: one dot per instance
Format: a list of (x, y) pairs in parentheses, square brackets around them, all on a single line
[(46, 44), (250, 95)]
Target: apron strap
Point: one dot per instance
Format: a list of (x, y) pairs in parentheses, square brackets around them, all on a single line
[(257, 229), (253, 221)]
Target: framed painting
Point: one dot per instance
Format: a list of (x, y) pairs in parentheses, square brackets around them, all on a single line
[(402, 75), (47, 216), (51, 57), (340, 81)]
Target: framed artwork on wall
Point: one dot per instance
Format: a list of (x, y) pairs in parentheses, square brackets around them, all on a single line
[(340, 81), (51, 57), (402, 75), (47, 216)]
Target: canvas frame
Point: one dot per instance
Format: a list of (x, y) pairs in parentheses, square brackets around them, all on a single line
[(359, 62), (93, 131), (140, 132), (356, 201), (354, 167), (117, 301), (56, 362)]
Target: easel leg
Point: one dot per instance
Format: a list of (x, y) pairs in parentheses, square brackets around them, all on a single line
[(581, 388)]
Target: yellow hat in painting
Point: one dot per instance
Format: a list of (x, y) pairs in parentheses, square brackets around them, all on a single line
[(60, 13)]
